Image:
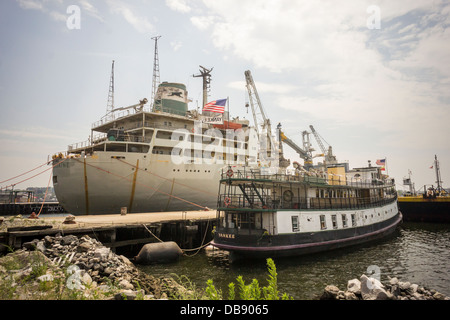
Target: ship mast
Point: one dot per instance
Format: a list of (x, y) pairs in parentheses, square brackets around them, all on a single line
[(206, 75), (156, 77), (438, 174), (110, 103)]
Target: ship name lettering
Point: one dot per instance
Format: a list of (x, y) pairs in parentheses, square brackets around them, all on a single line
[(226, 235)]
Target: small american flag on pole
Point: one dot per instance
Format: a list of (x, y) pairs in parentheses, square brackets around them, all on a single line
[(216, 106), (382, 163)]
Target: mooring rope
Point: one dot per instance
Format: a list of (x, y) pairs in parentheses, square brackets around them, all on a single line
[(22, 174), (46, 192), (34, 175), (152, 233), (184, 250)]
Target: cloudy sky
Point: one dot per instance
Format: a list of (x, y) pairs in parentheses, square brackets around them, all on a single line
[(372, 77)]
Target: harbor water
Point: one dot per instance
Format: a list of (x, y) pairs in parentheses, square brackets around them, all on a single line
[(416, 252)]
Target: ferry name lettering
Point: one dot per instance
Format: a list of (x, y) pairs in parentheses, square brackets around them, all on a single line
[(227, 235)]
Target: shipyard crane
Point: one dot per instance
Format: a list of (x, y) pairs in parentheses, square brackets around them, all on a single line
[(305, 152), (259, 115), (329, 157)]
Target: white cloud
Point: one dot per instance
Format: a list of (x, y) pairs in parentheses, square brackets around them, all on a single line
[(56, 9), (31, 4), (266, 87), (202, 22), (178, 5), (176, 45), (393, 80), (90, 9), (139, 23)]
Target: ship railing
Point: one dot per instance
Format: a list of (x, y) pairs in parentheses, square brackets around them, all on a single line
[(102, 138), (125, 113), (114, 117), (99, 138), (269, 202), (325, 179)]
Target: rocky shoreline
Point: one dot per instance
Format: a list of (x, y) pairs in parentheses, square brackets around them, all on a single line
[(68, 267), (367, 288)]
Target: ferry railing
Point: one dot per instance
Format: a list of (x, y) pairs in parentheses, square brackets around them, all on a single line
[(354, 195), (323, 179), (236, 202)]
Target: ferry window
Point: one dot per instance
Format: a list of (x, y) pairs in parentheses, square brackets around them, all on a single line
[(317, 193), (323, 224), (353, 220), (344, 220), (334, 221), (294, 223)]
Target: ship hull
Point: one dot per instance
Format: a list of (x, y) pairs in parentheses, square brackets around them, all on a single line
[(302, 243), (418, 209), (105, 183)]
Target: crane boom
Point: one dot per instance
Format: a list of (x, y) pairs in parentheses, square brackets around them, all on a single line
[(255, 103), (259, 115), (329, 157), (319, 141)]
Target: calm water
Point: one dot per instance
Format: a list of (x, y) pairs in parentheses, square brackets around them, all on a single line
[(419, 253)]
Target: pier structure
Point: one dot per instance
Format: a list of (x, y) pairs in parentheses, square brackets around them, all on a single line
[(26, 208), (124, 234)]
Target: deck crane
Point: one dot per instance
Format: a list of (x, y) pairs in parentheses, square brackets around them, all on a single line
[(260, 118), (305, 152), (329, 157)]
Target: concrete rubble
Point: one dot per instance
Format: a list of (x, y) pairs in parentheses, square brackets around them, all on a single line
[(90, 266), (367, 288)]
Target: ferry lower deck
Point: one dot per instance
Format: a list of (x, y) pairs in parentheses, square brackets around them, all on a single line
[(333, 230)]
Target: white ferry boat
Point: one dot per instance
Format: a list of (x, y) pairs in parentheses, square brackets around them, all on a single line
[(272, 215)]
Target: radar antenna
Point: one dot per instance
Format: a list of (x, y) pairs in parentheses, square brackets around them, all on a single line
[(206, 75)]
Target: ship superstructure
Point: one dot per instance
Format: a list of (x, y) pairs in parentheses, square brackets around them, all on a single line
[(165, 159)]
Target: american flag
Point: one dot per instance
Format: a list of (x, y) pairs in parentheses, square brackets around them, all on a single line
[(381, 162), (216, 106)]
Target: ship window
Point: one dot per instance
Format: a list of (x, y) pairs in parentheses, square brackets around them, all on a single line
[(55, 179), (323, 224), (344, 220), (294, 223), (353, 220), (334, 221)]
